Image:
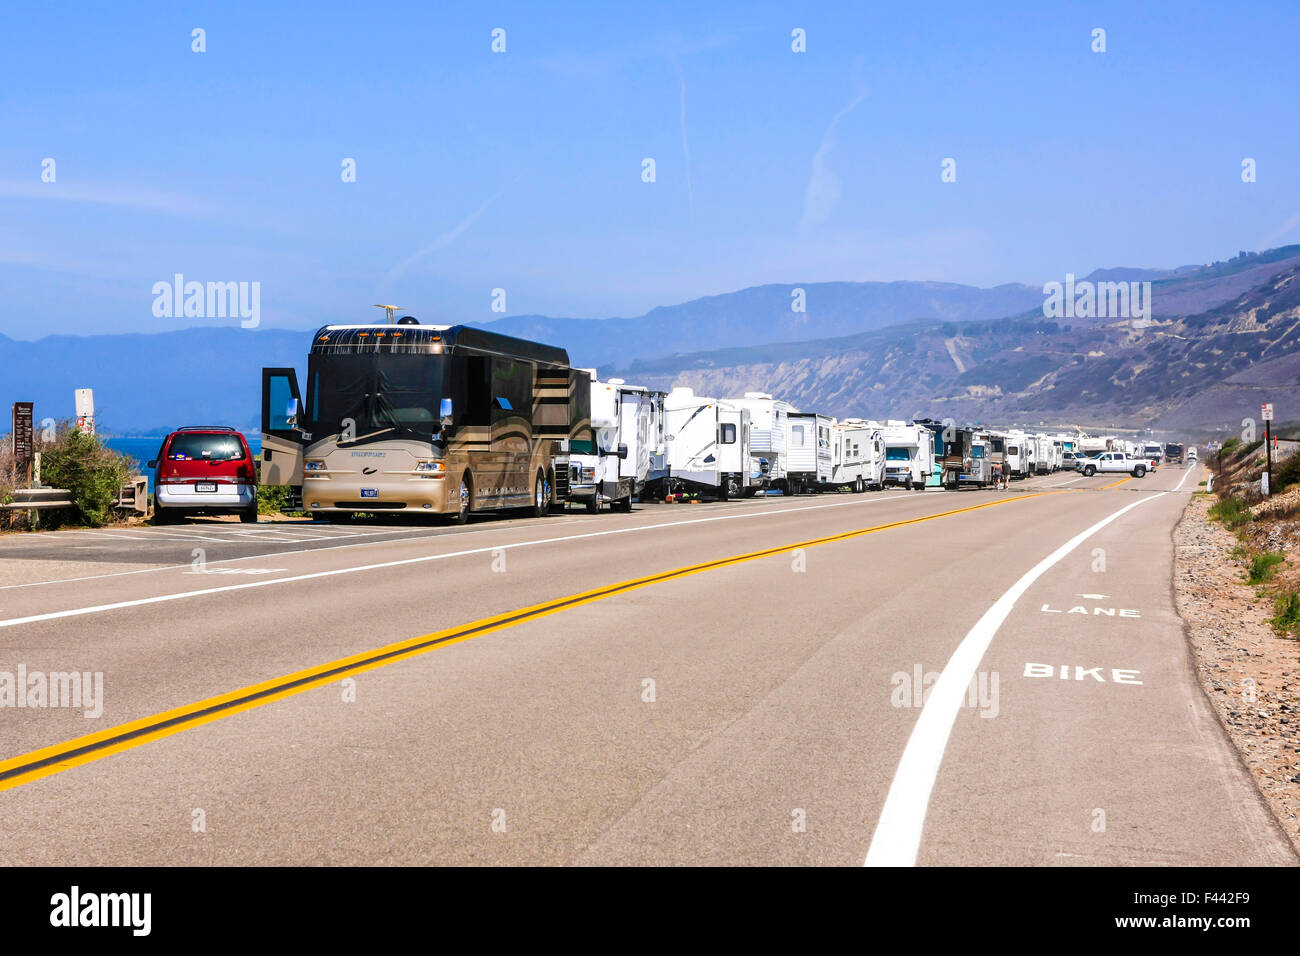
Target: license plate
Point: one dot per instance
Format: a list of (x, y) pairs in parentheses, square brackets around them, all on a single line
[(369, 492), (208, 487)]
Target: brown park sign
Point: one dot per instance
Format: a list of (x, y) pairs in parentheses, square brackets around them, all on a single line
[(22, 433)]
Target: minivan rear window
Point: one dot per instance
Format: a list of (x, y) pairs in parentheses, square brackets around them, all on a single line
[(199, 447)]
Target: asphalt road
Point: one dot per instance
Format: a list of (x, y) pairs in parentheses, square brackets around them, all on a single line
[(936, 678)]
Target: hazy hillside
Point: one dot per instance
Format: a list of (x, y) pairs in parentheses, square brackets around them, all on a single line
[(146, 384), (1207, 368), (763, 314)]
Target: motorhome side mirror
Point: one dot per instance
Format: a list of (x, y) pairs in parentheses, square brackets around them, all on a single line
[(291, 411), (445, 411), (622, 451)]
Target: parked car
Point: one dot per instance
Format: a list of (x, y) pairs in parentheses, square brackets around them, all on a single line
[(204, 470), (1113, 462)]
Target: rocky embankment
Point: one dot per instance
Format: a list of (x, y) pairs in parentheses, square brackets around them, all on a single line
[(1249, 671)]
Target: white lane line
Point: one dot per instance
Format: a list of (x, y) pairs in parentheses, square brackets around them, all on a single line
[(1186, 475), (246, 557), (897, 839), (1062, 484), (160, 598)]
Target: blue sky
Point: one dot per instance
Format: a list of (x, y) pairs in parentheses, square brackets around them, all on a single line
[(522, 170)]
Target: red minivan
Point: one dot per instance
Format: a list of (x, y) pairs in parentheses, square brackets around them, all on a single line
[(204, 470)]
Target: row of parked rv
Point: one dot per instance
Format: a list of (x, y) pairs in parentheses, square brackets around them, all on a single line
[(654, 444)]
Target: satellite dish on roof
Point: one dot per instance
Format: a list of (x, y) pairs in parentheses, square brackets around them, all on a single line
[(408, 320)]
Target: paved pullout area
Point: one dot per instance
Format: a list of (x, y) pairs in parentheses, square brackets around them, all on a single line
[(975, 677)]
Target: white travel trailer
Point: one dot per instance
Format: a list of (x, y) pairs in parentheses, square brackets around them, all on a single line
[(909, 454), (1042, 454), (1019, 455), (613, 467), (857, 455), (708, 445), (768, 437), (808, 451)]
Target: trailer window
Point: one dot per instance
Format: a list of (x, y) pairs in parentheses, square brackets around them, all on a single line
[(728, 434), (796, 435), (1013, 450)]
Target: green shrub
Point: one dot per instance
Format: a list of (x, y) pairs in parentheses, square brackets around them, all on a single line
[(1263, 565), (274, 499), (91, 471), (1286, 474), (1287, 619), (1231, 511), (1230, 444)]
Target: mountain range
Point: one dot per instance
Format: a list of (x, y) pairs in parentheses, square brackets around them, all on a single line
[(1220, 336)]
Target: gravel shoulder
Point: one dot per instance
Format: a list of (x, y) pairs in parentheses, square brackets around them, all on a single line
[(1249, 672)]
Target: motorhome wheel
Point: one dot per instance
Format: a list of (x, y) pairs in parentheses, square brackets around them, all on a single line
[(462, 514), (541, 496)]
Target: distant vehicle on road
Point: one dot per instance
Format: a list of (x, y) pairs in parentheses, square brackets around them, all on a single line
[(1115, 462), (1191, 454), (1153, 449), (1174, 453), (204, 470)]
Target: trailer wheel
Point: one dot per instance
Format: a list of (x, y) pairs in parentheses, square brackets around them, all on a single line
[(858, 487), (593, 503)]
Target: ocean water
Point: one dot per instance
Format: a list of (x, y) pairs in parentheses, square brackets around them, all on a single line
[(143, 448)]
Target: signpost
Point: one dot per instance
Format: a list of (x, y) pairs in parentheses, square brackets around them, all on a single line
[(1266, 413), (24, 446), (86, 410)]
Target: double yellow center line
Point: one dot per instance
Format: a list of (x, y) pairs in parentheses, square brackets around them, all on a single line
[(25, 768)]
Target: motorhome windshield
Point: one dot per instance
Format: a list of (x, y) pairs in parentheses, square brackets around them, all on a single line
[(383, 395), (896, 454)]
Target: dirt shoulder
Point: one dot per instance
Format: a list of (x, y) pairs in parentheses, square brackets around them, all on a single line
[(1250, 673)]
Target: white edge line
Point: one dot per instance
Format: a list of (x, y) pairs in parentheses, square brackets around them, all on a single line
[(160, 598), (897, 838)]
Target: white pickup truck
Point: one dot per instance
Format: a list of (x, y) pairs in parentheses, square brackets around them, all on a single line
[(1111, 461)]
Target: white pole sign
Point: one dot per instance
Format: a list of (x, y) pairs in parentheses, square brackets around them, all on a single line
[(1266, 411), (86, 410)]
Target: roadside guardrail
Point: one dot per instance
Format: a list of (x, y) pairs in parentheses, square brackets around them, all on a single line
[(29, 499)]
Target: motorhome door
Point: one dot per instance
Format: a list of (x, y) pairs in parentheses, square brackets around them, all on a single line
[(282, 444)]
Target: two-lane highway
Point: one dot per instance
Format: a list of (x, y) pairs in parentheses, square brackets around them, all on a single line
[(971, 677)]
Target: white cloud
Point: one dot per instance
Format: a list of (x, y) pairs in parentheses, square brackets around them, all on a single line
[(822, 194), (127, 195)]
